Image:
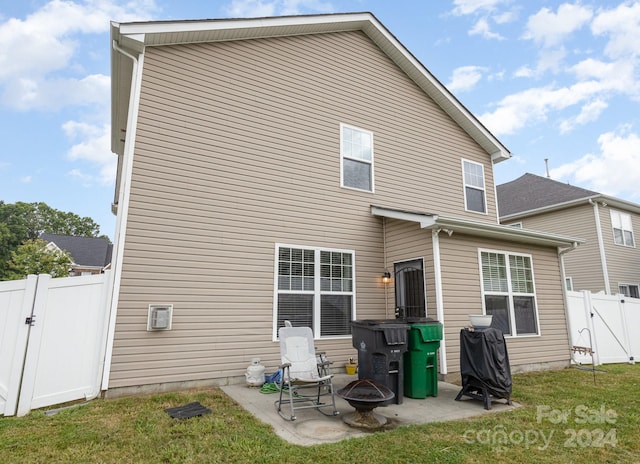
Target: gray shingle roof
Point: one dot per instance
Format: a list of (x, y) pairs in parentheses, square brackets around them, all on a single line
[(86, 251), (530, 192)]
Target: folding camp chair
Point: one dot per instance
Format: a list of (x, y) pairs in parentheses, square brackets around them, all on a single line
[(301, 380)]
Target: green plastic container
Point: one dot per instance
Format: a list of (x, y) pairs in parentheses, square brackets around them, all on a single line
[(421, 360)]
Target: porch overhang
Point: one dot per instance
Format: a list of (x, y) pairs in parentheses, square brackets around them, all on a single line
[(452, 225)]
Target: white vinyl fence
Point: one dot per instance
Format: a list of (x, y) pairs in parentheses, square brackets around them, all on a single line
[(52, 339), (607, 324)]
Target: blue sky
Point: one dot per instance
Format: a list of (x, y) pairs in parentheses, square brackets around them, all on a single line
[(550, 79)]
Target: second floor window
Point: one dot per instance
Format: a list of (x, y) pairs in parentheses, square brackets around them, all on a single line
[(474, 191), (356, 153), (622, 229)]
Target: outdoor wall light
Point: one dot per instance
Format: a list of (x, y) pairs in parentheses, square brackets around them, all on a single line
[(386, 277)]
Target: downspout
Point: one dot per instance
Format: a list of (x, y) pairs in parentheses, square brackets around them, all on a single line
[(437, 271), (561, 253), (123, 206), (603, 257)]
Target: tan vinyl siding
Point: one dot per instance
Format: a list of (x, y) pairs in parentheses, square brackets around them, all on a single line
[(462, 296), (623, 262), (583, 264), (237, 149), (407, 241)]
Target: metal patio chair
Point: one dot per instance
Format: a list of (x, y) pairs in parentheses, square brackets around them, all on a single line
[(305, 379)]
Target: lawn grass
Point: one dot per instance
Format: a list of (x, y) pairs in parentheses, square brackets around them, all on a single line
[(137, 430)]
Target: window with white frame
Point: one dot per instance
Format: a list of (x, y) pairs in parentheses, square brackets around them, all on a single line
[(622, 228), (568, 281), (629, 290), (356, 153), (315, 288), (474, 191), (509, 292)]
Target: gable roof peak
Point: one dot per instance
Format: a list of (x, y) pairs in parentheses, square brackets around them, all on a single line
[(130, 40)]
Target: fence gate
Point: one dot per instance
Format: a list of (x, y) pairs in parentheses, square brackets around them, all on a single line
[(52, 340), (604, 323)]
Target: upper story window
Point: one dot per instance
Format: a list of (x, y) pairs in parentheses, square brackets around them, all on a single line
[(356, 153), (314, 287), (474, 191), (622, 229), (509, 292)]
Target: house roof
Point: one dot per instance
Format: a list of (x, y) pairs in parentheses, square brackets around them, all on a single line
[(531, 194), (85, 251), (132, 38), (477, 228)]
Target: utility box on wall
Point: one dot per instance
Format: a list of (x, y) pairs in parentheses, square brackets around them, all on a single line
[(159, 317)]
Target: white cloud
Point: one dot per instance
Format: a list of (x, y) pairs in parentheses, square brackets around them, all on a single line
[(589, 113), (46, 42), (505, 17), (614, 171), (483, 29), (618, 76), (597, 82), (258, 8), (548, 60), (533, 105), (465, 7), (25, 179), (622, 25), (465, 78), (251, 8), (92, 144), (51, 94), (485, 11), (550, 29)]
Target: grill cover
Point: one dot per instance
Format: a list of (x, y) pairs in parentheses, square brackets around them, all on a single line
[(484, 361)]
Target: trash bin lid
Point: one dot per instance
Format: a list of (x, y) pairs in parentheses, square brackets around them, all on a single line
[(428, 332), (394, 331), (421, 320)]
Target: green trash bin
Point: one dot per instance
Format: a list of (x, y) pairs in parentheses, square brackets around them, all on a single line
[(421, 359)]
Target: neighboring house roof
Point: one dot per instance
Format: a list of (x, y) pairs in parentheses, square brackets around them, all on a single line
[(531, 194), (85, 251), (130, 39), (476, 228)]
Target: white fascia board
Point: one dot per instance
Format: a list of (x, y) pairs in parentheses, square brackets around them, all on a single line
[(425, 220), (499, 231), (160, 27), (620, 204), (548, 209)]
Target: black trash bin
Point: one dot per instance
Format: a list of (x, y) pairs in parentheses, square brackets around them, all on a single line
[(381, 344)]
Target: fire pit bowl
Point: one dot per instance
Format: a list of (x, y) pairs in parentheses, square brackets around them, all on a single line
[(365, 395)]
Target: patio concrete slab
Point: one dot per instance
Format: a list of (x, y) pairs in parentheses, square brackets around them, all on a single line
[(312, 427)]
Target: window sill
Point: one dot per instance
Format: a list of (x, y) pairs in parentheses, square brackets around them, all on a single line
[(356, 189), (522, 336)]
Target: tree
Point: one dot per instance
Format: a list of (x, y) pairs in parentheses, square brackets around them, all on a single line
[(21, 221), (33, 257)]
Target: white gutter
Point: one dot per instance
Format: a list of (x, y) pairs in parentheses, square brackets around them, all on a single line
[(123, 206), (603, 256), (565, 297), (437, 271)]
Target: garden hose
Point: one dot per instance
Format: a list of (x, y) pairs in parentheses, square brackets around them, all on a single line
[(269, 388)]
